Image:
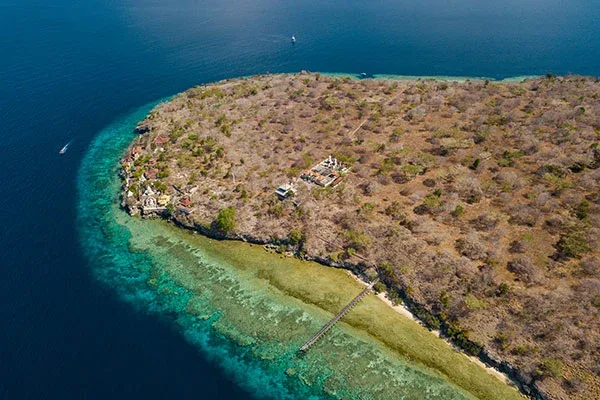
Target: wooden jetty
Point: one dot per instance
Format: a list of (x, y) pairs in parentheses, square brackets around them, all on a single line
[(338, 316)]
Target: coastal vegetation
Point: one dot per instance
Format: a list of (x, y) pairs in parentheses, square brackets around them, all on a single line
[(225, 221), (476, 203)]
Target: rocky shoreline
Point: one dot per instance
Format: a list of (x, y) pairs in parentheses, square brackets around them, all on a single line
[(360, 270)]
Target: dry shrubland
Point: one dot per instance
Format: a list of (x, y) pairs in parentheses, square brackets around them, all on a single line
[(479, 201)]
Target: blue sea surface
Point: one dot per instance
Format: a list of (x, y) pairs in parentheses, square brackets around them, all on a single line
[(68, 69)]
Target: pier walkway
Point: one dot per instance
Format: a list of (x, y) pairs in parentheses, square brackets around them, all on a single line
[(338, 316)]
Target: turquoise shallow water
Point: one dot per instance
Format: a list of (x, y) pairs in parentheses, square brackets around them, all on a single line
[(106, 243), (234, 317)]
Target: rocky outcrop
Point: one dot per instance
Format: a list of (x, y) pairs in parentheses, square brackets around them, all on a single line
[(142, 128)]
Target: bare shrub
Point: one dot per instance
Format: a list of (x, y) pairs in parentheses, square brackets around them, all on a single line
[(517, 247), (523, 215), (370, 188), (383, 179), (588, 290), (429, 182), (422, 225), (416, 114), (555, 223), (590, 265), (400, 177), (509, 180), (525, 271), (468, 188), (472, 247), (360, 171), (528, 145), (543, 200), (484, 222)]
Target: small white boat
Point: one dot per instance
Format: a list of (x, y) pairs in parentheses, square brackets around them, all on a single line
[(293, 39), (64, 149)]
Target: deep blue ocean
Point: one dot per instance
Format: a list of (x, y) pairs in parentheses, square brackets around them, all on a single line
[(70, 68)]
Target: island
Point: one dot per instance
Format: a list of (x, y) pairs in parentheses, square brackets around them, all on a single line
[(475, 203)]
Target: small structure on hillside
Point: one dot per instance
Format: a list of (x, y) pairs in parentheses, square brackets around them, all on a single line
[(328, 172), (185, 202), (150, 202), (149, 192), (164, 199), (285, 191), (161, 140), (136, 152)]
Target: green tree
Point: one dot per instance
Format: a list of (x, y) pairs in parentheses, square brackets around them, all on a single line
[(550, 367), (379, 287), (296, 236), (458, 211), (583, 210), (572, 244), (225, 221)]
